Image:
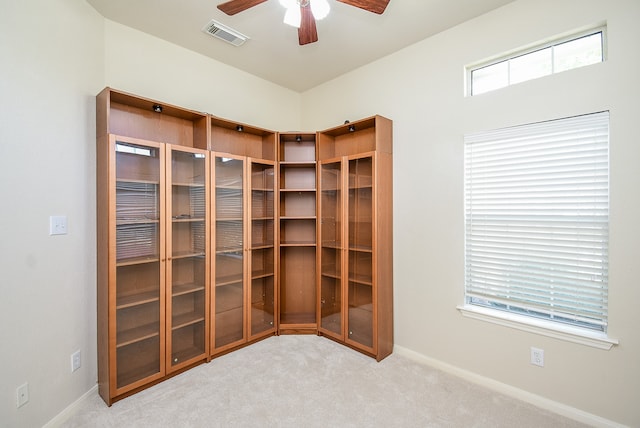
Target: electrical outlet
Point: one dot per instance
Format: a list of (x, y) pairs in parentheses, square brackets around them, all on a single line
[(22, 395), (76, 361), (537, 357)]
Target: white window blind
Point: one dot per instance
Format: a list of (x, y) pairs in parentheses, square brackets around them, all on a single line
[(536, 220)]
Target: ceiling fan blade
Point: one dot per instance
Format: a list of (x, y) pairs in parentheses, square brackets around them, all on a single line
[(234, 6), (375, 6), (307, 33)]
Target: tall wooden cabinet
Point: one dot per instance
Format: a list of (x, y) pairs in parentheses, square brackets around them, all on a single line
[(244, 280), (152, 234), (356, 241), (212, 234)]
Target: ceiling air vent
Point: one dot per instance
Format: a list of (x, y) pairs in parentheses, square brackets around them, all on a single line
[(225, 33)]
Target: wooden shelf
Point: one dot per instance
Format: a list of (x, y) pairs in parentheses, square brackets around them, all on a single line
[(184, 320), (331, 275), (187, 219), (188, 184), (181, 289), (298, 164), (187, 254), (137, 334), (298, 244), (138, 299), (137, 260), (120, 222), (331, 245), (261, 274), (125, 180), (228, 280), (262, 246), (361, 248), (361, 279)]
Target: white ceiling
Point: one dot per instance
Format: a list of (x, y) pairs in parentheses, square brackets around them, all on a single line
[(348, 38)]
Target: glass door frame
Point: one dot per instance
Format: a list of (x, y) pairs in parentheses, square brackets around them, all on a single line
[(348, 250), (250, 247), (169, 252), (214, 350), (341, 249), (113, 267)]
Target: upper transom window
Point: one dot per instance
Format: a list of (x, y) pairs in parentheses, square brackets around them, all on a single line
[(577, 50)]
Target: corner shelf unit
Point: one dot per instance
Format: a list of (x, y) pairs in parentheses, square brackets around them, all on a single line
[(298, 233), (214, 234)]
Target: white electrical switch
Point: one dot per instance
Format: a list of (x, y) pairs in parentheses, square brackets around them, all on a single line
[(75, 361), (58, 225)]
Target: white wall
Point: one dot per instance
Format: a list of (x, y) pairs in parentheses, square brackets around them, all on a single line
[(147, 66), (421, 89), (51, 66)]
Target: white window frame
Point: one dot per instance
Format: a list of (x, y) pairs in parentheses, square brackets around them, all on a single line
[(558, 40), (481, 283)]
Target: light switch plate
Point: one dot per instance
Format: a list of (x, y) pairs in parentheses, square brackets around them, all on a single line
[(58, 225)]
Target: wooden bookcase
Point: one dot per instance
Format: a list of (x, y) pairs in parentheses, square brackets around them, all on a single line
[(298, 233), (355, 268), (244, 282), (144, 253), (213, 234)]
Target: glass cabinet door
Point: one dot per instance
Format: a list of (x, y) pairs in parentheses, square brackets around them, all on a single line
[(331, 247), (228, 265), (360, 263), (139, 268), (187, 267), (262, 285)]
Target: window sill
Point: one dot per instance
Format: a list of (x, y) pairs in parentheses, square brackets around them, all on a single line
[(542, 327)]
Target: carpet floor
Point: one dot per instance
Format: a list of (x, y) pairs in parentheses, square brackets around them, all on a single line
[(309, 381)]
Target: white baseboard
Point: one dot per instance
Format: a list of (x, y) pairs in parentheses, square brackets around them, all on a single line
[(522, 395), (70, 409)]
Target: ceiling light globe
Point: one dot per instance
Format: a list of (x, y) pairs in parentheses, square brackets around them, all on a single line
[(320, 8), (293, 16), (288, 3)]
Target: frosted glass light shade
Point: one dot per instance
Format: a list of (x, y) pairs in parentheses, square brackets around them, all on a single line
[(293, 16), (320, 8)]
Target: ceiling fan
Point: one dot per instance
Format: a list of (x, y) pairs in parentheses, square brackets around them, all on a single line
[(305, 20)]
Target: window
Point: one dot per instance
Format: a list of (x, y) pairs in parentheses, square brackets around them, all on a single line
[(536, 220), (563, 54)]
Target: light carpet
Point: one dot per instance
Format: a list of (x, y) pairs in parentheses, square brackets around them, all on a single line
[(310, 381)]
